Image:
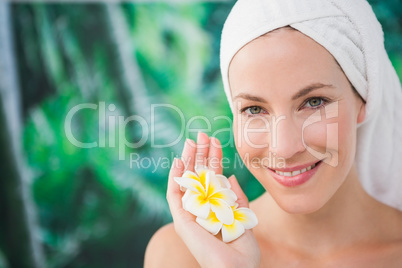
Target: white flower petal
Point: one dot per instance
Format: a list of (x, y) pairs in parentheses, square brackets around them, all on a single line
[(207, 180), (201, 174), (225, 194), (246, 217), (232, 232), (213, 184), (213, 180), (223, 211), (211, 224), (199, 169), (197, 205), (188, 183), (191, 175), (185, 197), (223, 181)]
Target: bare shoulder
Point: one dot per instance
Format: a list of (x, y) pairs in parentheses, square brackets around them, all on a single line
[(166, 249)]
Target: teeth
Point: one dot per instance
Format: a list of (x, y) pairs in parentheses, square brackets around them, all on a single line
[(296, 172)]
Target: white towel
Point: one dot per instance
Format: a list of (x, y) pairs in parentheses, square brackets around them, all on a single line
[(349, 30)]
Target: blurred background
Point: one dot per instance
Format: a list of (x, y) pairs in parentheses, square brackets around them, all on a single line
[(94, 72)]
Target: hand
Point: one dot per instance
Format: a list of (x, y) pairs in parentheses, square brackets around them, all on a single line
[(208, 250)]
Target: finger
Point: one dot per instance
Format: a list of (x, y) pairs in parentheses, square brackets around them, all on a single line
[(202, 149), (173, 194), (242, 199), (188, 154), (215, 156)]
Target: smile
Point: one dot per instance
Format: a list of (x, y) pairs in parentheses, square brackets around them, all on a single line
[(296, 172), (294, 176)]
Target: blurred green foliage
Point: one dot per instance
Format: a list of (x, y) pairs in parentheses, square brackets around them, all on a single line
[(94, 209)]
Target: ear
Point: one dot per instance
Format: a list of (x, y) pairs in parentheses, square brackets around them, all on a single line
[(362, 113)]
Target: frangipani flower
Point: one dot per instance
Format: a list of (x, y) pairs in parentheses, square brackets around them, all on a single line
[(244, 218), (209, 197), (206, 192)]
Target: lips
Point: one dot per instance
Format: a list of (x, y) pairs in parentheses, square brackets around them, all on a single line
[(291, 177), (295, 172)]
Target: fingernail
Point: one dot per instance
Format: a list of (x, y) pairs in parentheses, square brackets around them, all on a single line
[(190, 142), (198, 136), (215, 142)]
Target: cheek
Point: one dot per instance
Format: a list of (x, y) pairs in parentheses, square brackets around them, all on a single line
[(251, 140), (347, 137), (322, 141), (315, 136), (251, 133), (332, 139)]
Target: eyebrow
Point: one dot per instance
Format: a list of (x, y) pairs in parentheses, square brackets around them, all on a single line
[(250, 97), (304, 91)]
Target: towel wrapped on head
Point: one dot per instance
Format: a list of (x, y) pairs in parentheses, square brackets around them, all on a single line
[(350, 31)]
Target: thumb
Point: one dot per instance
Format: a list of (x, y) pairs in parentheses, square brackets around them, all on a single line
[(242, 199), (173, 194)]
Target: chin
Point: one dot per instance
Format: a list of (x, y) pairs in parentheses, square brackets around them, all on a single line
[(299, 205), (307, 198)]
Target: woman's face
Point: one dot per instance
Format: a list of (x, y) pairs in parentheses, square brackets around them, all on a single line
[(295, 117)]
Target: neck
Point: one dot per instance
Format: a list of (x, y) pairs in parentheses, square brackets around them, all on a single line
[(341, 222)]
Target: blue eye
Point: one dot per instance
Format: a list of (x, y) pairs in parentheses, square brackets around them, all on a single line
[(254, 110), (315, 102)]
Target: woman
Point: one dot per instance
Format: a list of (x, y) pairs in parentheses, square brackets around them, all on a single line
[(309, 83)]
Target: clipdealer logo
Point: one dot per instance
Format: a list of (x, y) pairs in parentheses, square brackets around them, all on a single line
[(117, 124), (114, 125), (331, 111)]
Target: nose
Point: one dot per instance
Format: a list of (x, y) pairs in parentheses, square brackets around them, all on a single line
[(286, 138)]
